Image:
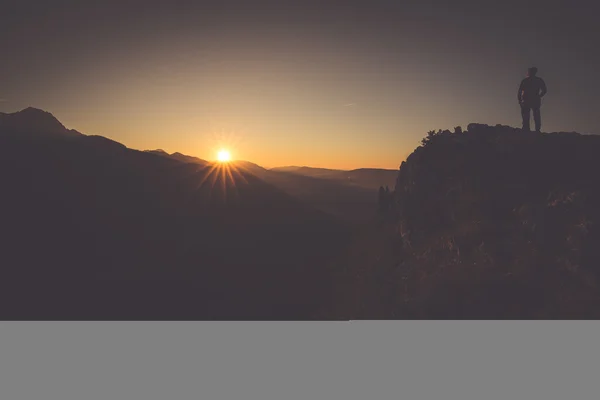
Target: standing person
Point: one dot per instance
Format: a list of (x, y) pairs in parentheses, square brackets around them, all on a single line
[(531, 91)]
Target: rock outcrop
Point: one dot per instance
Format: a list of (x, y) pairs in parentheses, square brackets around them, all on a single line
[(491, 223)]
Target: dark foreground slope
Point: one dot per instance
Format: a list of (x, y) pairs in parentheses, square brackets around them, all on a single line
[(93, 230), (490, 223)]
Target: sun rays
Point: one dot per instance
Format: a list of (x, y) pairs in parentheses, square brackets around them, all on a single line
[(221, 179), (224, 178)]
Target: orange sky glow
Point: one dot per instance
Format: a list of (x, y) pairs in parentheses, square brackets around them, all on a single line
[(305, 84)]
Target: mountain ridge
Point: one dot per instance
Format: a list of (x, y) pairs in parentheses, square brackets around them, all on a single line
[(36, 122), (371, 178), (338, 196), (94, 230)]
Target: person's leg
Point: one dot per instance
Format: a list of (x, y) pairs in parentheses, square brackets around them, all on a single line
[(537, 118), (525, 112)]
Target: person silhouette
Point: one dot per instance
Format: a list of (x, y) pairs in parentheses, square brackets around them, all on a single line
[(531, 91)]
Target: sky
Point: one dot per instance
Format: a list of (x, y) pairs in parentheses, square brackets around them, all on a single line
[(344, 84)]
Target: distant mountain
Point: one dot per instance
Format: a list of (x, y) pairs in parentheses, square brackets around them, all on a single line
[(308, 171), (339, 197), (371, 178), (246, 166), (179, 157), (250, 167), (344, 198), (159, 152), (348, 202), (188, 159), (93, 230)]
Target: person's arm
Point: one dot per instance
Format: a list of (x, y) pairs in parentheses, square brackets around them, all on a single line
[(520, 93), (543, 88)]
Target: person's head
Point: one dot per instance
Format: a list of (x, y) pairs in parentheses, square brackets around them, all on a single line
[(532, 71)]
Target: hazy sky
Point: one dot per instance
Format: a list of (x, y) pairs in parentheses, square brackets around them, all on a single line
[(341, 84)]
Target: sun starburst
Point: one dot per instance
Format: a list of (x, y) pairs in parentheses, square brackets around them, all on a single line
[(224, 155)]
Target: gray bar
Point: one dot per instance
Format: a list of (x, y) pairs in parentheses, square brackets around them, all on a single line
[(299, 360)]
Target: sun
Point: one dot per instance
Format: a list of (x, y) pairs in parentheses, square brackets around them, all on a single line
[(223, 155)]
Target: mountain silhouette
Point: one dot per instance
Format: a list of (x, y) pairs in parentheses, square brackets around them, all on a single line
[(350, 200), (371, 178), (491, 223), (251, 167), (33, 121), (159, 152), (188, 159), (94, 230), (178, 156)]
